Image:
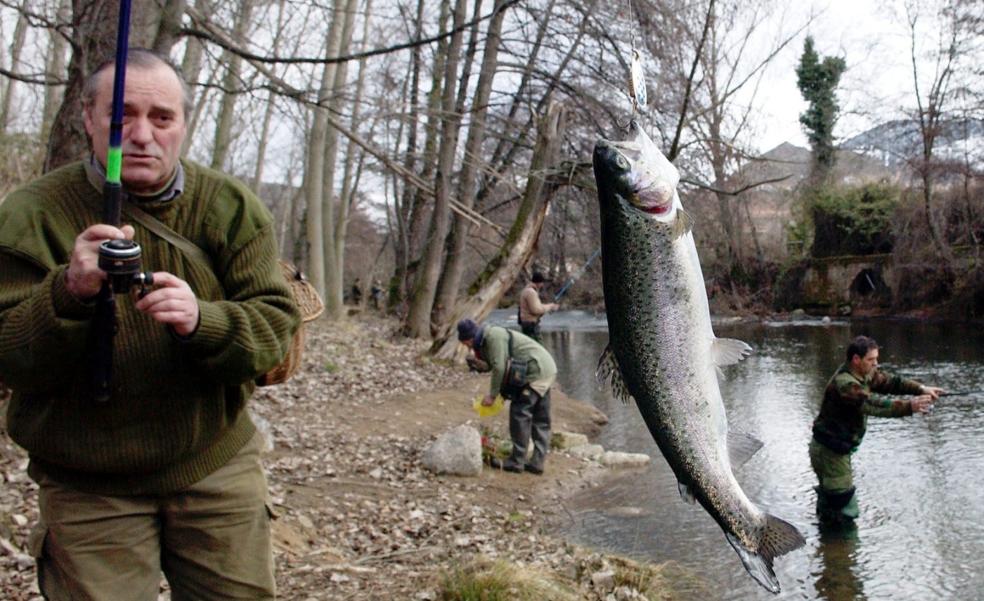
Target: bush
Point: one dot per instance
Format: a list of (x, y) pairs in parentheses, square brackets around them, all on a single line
[(853, 221)]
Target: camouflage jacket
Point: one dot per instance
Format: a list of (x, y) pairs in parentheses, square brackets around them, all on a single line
[(848, 401)]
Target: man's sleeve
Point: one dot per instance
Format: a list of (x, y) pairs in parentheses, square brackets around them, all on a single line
[(43, 328), (887, 384), (248, 333), (533, 305)]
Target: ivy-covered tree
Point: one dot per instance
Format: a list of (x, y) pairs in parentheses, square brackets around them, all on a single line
[(817, 81)]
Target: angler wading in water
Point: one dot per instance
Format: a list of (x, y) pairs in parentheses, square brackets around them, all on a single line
[(857, 390)]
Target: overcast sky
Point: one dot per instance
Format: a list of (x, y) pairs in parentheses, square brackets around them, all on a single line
[(878, 80)]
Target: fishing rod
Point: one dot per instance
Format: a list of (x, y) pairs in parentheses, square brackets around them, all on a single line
[(120, 259), (570, 281), (962, 393)]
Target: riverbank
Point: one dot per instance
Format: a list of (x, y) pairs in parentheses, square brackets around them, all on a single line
[(359, 516)]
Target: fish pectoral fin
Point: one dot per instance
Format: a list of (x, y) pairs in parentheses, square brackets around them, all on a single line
[(741, 448), (608, 369), (685, 493), (683, 223), (778, 538), (728, 351)]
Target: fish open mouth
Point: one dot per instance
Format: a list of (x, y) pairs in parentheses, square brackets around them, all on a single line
[(656, 198)]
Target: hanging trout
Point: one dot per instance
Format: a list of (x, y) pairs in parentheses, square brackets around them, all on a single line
[(662, 351)]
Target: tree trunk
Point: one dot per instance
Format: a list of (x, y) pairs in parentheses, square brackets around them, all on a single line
[(334, 280), (416, 201), (16, 46), (520, 243), (230, 85), (93, 41), (191, 67), (267, 114), (353, 156), (454, 267), (167, 32), (314, 171), (55, 70), (421, 305)]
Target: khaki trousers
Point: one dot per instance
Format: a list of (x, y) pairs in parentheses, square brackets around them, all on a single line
[(211, 541)]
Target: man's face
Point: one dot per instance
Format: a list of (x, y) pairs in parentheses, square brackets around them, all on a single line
[(153, 125), (867, 364)]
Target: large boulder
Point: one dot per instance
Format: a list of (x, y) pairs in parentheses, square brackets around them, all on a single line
[(457, 452)]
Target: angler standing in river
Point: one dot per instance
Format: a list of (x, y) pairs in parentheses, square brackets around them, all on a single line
[(531, 309), (853, 393)]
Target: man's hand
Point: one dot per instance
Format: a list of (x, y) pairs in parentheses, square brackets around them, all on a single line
[(172, 302), (476, 364), (488, 400), (933, 391), (552, 306), (922, 403), (83, 278)]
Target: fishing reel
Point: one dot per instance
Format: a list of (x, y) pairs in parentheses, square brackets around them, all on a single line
[(120, 259)]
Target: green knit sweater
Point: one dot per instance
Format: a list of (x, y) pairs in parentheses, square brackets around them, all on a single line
[(177, 407)]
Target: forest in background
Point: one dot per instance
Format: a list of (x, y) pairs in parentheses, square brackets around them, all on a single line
[(443, 146)]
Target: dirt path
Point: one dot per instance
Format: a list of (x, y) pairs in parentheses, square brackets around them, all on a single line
[(359, 516)]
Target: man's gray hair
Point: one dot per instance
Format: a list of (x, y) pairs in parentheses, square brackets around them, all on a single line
[(141, 58)]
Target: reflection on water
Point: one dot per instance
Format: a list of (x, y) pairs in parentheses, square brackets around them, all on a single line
[(921, 531), (836, 553)]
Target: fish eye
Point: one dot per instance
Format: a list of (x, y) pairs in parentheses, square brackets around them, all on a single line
[(621, 163)]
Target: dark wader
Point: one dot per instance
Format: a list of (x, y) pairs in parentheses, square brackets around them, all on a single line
[(836, 501), (529, 417), (530, 328)]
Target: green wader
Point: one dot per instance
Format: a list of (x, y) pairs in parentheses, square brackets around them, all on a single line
[(836, 500)]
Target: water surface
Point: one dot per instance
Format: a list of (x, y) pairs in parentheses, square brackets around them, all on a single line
[(921, 531)]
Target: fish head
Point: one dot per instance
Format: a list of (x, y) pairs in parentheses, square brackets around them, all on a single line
[(638, 172)]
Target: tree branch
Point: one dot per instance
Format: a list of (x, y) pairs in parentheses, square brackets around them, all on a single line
[(235, 49), (745, 188)]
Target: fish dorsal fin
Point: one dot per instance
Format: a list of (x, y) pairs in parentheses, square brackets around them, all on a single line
[(608, 369), (685, 493), (741, 447), (682, 224), (728, 351)]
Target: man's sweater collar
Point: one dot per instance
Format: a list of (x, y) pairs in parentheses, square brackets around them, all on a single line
[(96, 175)]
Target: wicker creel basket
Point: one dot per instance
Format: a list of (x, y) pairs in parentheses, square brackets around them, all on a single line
[(305, 295), (311, 306)]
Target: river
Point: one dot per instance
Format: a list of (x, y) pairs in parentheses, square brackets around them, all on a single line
[(920, 535)]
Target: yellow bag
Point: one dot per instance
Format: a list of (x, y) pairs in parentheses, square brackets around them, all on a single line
[(489, 410)]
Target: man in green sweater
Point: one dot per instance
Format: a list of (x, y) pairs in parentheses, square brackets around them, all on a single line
[(529, 409), (853, 393), (164, 475)]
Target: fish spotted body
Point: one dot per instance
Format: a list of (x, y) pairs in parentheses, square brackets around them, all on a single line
[(663, 352)]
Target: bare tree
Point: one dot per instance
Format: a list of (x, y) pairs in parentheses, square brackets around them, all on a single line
[(933, 100), (419, 317)]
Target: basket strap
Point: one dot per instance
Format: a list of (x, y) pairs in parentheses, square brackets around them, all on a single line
[(153, 224)]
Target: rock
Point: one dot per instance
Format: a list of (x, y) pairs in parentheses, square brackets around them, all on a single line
[(587, 451), (616, 459), (603, 581), (565, 440), (264, 429), (457, 452)]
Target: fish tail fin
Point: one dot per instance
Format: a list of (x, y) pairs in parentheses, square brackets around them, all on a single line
[(778, 538)]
